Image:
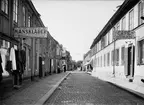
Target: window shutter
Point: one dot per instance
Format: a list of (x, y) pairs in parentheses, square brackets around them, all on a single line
[(138, 53), (126, 61)]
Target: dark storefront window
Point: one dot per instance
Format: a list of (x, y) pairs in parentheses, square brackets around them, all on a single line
[(4, 49)]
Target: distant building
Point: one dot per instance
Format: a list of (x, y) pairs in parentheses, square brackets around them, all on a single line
[(86, 61)]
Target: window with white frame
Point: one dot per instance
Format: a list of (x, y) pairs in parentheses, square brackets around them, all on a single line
[(103, 42), (123, 23), (110, 35), (24, 16), (140, 13), (131, 19), (4, 6), (15, 10)]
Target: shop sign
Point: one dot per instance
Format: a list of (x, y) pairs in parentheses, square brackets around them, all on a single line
[(34, 32), (124, 35)]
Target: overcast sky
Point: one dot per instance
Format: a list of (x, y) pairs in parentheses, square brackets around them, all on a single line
[(75, 24)]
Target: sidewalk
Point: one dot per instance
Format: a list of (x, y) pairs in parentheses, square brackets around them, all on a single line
[(129, 86), (37, 93)]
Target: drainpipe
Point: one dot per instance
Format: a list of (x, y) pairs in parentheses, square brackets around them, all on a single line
[(114, 56), (33, 60)]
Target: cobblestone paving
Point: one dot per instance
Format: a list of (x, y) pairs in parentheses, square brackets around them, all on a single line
[(83, 89)]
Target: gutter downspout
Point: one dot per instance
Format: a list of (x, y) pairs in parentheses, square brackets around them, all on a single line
[(114, 56)]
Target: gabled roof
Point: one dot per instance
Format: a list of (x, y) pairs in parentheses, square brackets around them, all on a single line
[(124, 8)]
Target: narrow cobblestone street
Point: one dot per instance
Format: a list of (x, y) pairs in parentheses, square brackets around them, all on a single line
[(83, 89)]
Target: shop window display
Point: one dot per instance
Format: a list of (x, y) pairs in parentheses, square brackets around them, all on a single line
[(4, 51)]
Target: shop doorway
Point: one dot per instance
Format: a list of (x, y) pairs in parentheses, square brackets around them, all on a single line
[(40, 66), (129, 61)]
